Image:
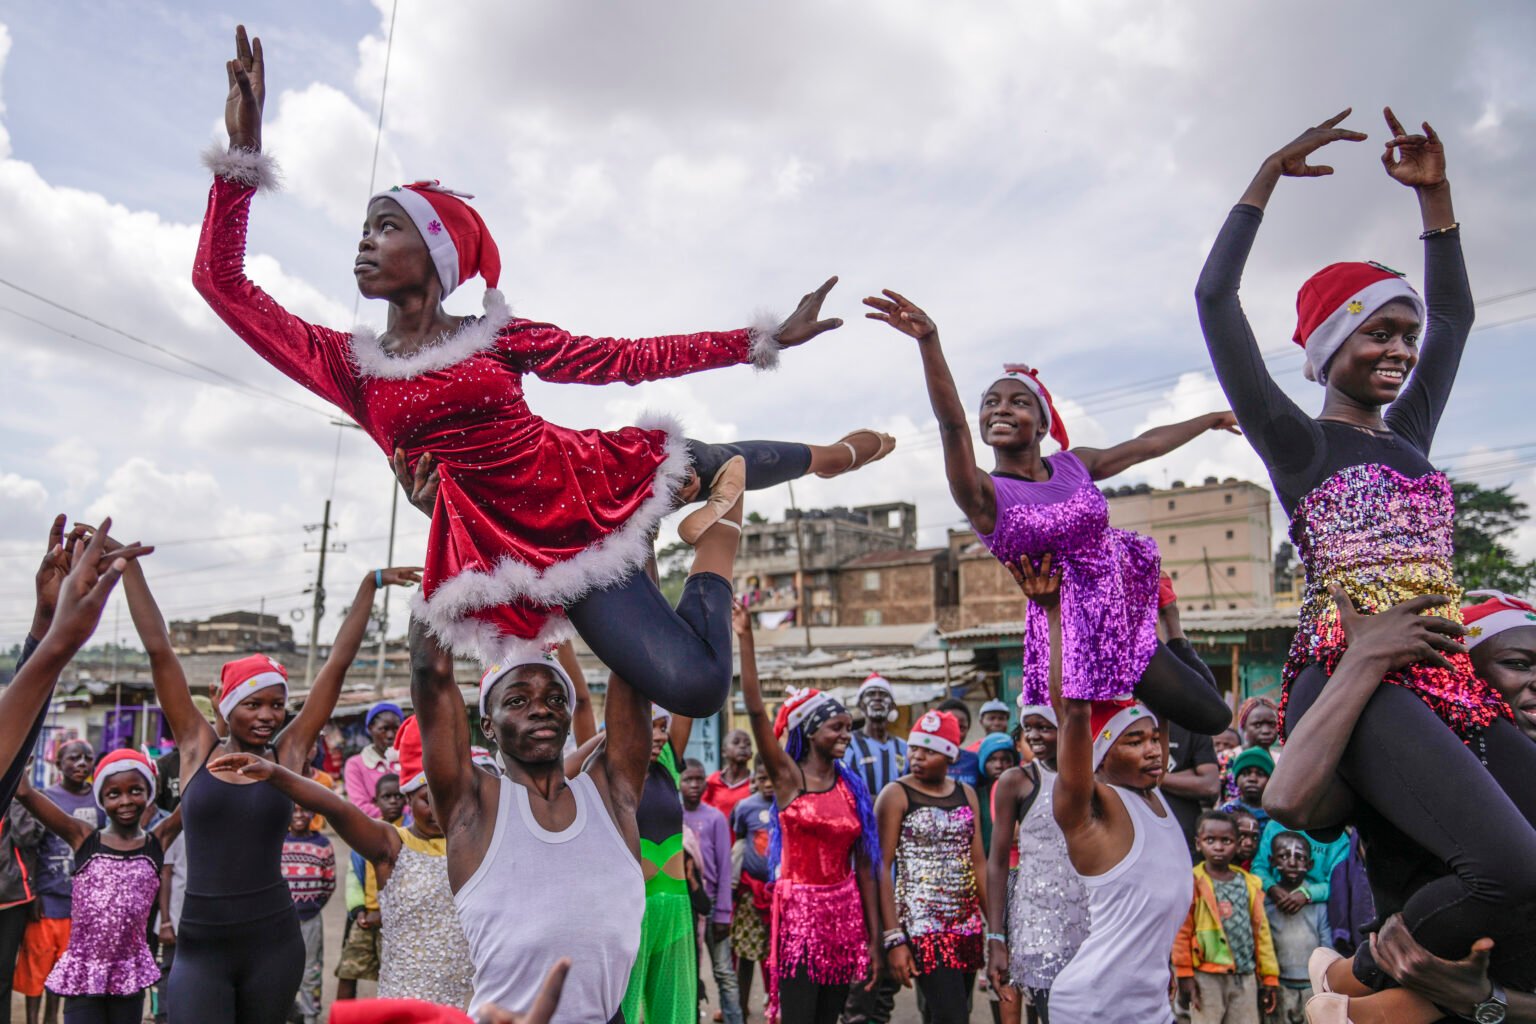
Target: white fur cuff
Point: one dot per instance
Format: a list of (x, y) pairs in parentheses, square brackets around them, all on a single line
[(245, 166), (764, 332)]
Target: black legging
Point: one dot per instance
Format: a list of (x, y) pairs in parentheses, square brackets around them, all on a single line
[(681, 658), (1177, 691), (803, 1001), (104, 1009), (242, 972), (1415, 772), (13, 922), (946, 995)]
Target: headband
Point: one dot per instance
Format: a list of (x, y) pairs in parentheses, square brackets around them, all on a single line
[(1111, 719), (118, 762), (496, 673)]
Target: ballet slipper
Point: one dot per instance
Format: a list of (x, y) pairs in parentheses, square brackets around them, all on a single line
[(1328, 1008), (1318, 963), (885, 443), (724, 491)]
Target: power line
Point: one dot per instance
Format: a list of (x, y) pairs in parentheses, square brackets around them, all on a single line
[(378, 131)]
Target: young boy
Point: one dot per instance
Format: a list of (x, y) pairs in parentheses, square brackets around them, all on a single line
[(1296, 932), (1223, 956), (709, 828), (1248, 832), (1252, 769), (751, 823), (309, 868)]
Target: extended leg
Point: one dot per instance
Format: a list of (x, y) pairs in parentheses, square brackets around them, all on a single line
[(1176, 690)]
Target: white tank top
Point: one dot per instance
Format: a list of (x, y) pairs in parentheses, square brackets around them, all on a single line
[(1120, 974), (540, 895)]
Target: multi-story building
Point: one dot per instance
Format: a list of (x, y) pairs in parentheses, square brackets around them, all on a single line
[(895, 588), (231, 633)]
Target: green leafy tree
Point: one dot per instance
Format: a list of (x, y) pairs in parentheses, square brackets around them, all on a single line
[(672, 568), (1485, 519)]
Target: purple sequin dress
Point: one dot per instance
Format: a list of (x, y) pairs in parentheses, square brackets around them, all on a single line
[(1108, 582), (114, 893)]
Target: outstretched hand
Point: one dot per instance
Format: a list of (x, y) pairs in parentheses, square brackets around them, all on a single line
[(401, 576), (741, 619), (1225, 420), (1043, 585), (544, 1004), (804, 323), (51, 573), (1417, 161), (246, 765), (899, 311), (247, 93), (420, 485), (95, 566), (1291, 159), (1403, 634)]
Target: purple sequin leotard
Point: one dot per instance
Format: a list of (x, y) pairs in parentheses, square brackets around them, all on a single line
[(1108, 582), (115, 892)]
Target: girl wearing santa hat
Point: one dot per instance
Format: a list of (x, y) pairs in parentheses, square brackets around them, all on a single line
[(1503, 650), (1123, 840), (107, 966), (823, 851), (537, 529), (1031, 505), (1437, 751), (240, 954), (930, 833)]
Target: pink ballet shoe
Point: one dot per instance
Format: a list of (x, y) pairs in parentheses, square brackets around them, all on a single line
[(1328, 1008), (724, 492), (884, 445), (1318, 963)]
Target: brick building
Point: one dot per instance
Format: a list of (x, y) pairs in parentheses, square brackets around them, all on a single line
[(895, 588), (231, 633)]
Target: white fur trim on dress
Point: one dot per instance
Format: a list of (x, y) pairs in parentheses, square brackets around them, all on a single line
[(609, 561), (764, 332), (472, 336), (246, 166)]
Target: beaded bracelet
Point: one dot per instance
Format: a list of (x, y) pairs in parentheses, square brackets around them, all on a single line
[(1432, 232), (893, 938)]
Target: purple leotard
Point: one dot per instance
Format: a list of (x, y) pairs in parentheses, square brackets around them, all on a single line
[(1108, 582)]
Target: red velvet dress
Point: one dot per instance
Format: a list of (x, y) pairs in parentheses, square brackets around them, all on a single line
[(530, 515)]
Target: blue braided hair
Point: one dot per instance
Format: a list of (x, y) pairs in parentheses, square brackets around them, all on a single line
[(797, 746)]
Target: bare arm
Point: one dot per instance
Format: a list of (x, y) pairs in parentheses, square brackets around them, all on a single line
[(890, 807), (454, 781), (1103, 463), (627, 757), (1009, 792), (583, 718), (781, 767), (53, 817), (871, 887), (194, 736), (377, 841), (167, 928), (168, 829), (1202, 782)]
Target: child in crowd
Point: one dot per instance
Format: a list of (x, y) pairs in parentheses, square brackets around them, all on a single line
[(360, 945), (1258, 725), (1224, 956), (709, 828), (107, 965), (309, 868), (997, 753), (733, 782), (967, 767), (1314, 891), (1252, 769), (993, 716), (752, 825), (1248, 832), (1297, 932)]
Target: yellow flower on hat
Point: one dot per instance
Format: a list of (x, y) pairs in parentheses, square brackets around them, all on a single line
[(1356, 307)]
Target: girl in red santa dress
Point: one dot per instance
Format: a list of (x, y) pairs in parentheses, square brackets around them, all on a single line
[(536, 528)]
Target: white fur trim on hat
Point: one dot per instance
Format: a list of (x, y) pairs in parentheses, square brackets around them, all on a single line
[(244, 167), (604, 563), (876, 682), (1329, 336), (803, 712), (126, 764), (992, 705), (496, 673), (764, 332), (473, 336), (1045, 711), (1034, 389), (1122, 720), (261, 681), (413, 783), (937, 744), (1494, 623)]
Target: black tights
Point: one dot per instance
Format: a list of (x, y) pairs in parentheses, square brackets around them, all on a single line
[(1415, 772), (681, 658), (946, 995), (237, 973), (13, 922), (803, 1001), (1177, 691), (104, 1009)]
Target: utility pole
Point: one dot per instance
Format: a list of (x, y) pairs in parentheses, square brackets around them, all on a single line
[(318, 610), (1210, 576), (378, 677), (804, 587)]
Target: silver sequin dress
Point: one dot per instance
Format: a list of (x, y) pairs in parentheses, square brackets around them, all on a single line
[(423, 953), (1048, 904)]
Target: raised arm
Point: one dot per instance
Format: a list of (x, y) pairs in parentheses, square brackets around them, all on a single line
[(1418, 161), (781, 767), (583, 717), (968, 485), (1305, 791), (1103, 463), (194, 736), (298, 739), (374, 839), (54, 818), (455, 782), (626, 754)]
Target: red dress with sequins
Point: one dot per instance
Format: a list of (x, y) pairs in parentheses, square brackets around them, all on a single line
[(530, 515)]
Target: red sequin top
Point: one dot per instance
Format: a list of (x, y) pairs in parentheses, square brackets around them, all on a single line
[(530, 515), (819, 830)]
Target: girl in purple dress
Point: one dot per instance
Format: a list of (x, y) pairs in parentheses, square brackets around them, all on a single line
[(1049, 507), (104, 972)]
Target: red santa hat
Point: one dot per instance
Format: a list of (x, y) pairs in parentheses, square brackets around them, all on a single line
[(1030, 378), (408, 745), (1045, 711), (1336, 300), (1493, 616), (1109, 719), (395, 1011), (482, 757), (1165, 592), (876, 681), (803, 706), (247, 675), (496, 673), (938, 731), (457, 239), (120, 761)]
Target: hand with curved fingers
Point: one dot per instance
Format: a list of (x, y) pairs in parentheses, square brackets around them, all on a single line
[(997, 971), (95, 566), (901, 313), (245, 765), (1291, 159), (1415, 160), (401, 576), (1043, 585), (804, 323), (1403, 634), (247, 93), (420, 484), (1225, 420), (51, 573), (1457, 985), (741, 619), (544, 1004), (901, 966)]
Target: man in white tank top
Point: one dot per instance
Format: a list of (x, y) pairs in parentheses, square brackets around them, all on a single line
[(542, 866)]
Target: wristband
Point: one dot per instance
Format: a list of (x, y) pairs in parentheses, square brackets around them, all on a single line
[(892, 942), (378, 578), (995, 937), (1433, 232)]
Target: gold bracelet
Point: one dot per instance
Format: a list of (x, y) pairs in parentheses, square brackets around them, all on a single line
[(1432, 232)]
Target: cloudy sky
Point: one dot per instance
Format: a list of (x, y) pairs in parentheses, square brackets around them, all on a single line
[(1045, 178)]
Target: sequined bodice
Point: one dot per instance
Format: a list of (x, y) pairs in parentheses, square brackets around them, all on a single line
[(113, 897), (1047, 903), (1065, 515), (819, 831), (423, 953), (935, 879)]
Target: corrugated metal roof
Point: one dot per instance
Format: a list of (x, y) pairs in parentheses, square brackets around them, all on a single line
[(1231, 621)]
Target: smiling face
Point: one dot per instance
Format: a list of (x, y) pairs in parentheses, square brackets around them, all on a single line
[(1262, 727), (392, 257), (876, 705), (75, 760), (1040, 734), (1507, 662), (1372, 365), (300, 821), (124, 797), (832, 737), (257, 719), (1136, 759), (529, 715), (1011, 419)]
